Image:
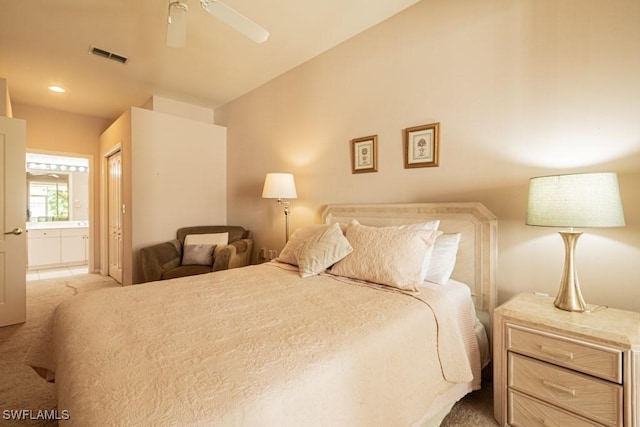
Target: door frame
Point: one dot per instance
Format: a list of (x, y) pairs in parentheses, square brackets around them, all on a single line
[(92, 177), (104, 208)]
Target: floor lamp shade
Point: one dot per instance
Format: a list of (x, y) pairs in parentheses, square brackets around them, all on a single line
[(280, 186), (579, 200)]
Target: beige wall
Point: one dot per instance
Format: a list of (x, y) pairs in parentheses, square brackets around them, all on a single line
[(56, 132), (5, 99), (520, 88), (179, 178)]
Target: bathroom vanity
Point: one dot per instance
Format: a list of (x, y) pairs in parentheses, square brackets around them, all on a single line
[(60, 243)]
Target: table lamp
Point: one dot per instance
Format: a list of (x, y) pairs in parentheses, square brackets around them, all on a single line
[(280, 186), (577, 200)]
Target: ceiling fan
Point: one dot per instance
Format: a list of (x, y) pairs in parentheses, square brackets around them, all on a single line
[(177, 22)]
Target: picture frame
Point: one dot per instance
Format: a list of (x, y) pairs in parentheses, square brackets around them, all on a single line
[(364, 154), (422, 146)]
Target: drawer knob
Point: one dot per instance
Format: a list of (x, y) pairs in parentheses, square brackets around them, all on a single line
[(556, 352), (559, 388)]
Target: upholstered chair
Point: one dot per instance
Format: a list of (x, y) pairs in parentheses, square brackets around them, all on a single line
[(211, 250)]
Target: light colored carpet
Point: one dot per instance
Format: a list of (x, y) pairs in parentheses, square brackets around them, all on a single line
[(22, 389), (475, 409)]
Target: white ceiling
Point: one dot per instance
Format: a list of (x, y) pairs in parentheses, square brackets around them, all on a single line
[(46, 42)]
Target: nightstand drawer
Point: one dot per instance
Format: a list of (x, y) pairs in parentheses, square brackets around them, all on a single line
[(525, 411), (587, 396), (599, 361)]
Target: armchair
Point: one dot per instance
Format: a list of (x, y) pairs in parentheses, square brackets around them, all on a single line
[(164, 260)]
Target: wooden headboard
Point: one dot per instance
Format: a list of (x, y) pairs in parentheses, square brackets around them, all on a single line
[(478, 250)]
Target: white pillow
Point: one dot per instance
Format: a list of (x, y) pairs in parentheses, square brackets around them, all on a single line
[(431, 225), (323, 249), (443, 258), (219, 240), (392, 257), (288, 253)]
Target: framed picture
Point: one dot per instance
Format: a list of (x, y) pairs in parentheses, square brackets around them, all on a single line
[(421, 146), (364, 154)]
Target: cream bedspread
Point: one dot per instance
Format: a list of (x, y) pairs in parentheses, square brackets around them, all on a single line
[(257, 346)]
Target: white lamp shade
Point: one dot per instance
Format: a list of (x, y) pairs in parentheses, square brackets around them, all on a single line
[(279, 186), (579, 200)]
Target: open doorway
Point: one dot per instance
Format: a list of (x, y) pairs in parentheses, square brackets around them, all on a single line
[(58, 212)]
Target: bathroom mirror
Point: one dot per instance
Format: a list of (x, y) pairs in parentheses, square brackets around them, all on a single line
[(48, 195), (57, 188)]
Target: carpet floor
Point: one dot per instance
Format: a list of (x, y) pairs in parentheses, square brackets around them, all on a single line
[(22, 389)]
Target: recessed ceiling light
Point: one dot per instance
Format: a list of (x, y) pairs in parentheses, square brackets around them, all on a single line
[(57, 89)]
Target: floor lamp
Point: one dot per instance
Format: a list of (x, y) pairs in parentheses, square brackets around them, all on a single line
[(280, 186), (579, 200)]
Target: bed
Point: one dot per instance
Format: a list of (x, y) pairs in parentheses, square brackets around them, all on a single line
[(261, 345)]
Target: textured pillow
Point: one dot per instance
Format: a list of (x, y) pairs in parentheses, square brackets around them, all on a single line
[(196, 247), (392, 257), (198, 254), (323, 249), (443, 258), (431, 225), (288, 253)]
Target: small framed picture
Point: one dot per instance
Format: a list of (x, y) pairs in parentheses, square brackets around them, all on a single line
[(421, 146), (364, 154)]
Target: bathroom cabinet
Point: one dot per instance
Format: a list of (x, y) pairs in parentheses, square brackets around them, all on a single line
[(51, 247)]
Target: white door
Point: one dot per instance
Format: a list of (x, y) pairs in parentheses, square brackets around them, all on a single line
[(13, 214), (114, 203)]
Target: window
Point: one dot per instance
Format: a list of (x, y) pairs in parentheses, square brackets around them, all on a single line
[(48, 201)]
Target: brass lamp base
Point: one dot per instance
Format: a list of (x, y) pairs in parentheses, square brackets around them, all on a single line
[(287, 212), (569, 297)]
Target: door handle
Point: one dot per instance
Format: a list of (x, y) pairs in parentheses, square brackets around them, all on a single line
[(17, 231)]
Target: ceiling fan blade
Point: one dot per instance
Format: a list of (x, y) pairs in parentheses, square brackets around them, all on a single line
[(177, 24), (236, 20)]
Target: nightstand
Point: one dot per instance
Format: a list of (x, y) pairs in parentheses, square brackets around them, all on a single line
[(560, 368)]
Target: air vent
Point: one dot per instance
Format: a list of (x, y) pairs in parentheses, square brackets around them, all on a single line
[(108, 55)]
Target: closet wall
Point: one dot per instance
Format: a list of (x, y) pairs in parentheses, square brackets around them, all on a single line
[(173, 175)]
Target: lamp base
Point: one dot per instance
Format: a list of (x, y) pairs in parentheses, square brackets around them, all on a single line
[(569, 297)]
